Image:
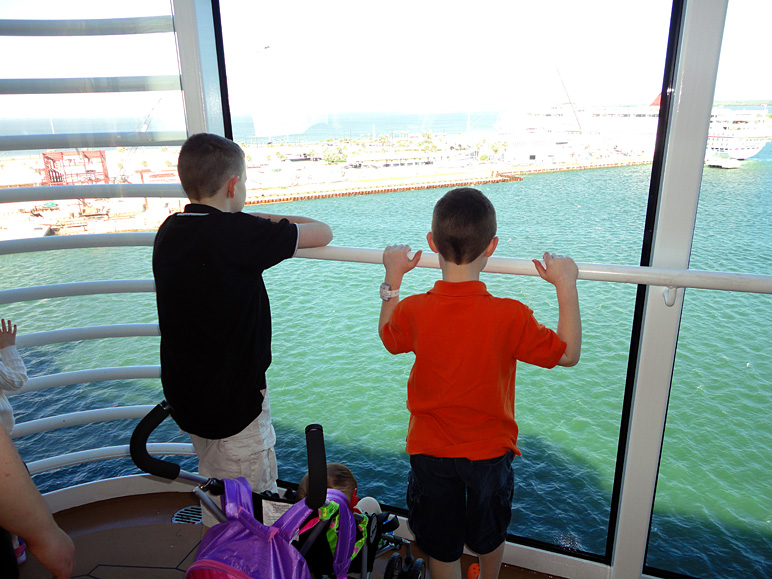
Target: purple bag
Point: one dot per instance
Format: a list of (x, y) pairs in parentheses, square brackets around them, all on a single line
[(244, 548)]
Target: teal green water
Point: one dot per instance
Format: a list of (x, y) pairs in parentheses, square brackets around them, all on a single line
[(714, 494)]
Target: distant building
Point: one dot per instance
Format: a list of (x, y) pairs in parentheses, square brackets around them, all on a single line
[(74, 167)]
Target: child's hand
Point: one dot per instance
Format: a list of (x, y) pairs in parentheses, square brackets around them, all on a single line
[(557, 269), (7, 334), (397, 264), (396, 261)]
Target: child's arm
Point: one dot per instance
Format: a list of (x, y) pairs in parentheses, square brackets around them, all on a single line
[(397, 264), (24, 512), (561, 271), (13, 373), (311, 233)]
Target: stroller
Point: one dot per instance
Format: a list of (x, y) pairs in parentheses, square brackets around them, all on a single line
[(315, 537)]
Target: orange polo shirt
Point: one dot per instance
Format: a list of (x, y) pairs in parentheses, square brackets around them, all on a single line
[(461, 389)]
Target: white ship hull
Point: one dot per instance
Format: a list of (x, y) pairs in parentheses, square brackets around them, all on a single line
[(733, 134), (738, 134)]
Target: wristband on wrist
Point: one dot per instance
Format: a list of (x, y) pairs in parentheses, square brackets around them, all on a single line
[(387, 293)]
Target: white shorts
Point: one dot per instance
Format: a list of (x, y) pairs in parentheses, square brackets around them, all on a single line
[(249, 453)]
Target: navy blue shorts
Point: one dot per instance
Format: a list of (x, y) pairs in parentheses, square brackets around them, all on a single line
[(456, 501)]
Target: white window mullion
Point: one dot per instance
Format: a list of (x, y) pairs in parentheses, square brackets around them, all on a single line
[(194, 27), (674, 228)]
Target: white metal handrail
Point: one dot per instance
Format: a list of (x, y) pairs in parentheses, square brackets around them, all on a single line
[(663, 277), (83, 288), (106, 453), (87, 27), (87, 333), (57, 242), (660, 277), (92, 375), (92, 191), (50, 423), (90, 84), (92, 140)]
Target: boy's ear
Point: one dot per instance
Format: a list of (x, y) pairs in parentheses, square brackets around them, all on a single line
[(430, 239), (232, 182), (491, 247)]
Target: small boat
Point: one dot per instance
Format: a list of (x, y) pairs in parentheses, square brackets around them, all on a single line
[(723, 162)]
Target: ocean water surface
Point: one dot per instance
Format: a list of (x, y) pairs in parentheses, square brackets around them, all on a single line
[(714, 497)]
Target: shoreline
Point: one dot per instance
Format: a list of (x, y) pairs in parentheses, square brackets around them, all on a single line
[(415, 182), (351, 188), (149, 217)]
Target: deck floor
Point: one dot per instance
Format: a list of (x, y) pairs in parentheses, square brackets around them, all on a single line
[(135, 538)]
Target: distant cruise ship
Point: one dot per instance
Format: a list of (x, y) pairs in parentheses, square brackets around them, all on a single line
[(734, 134), (738, 134)]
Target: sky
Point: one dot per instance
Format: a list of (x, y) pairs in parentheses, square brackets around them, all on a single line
[(305, 58), (434, 56)]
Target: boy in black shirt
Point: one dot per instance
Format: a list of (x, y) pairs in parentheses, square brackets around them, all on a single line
[(214, 314)]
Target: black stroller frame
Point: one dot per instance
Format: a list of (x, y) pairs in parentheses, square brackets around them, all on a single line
[(379, 526)]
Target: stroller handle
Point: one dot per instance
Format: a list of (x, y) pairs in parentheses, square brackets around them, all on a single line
[(317, 466), (317, 458), (138, 444)]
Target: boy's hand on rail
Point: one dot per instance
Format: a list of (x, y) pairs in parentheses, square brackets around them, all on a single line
[(397, 263), (557, 269), (562, 272)]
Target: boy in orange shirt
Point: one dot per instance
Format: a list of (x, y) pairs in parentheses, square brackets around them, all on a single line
[(462, 432)]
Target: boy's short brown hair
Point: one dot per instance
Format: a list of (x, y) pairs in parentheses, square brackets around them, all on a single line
[(206, 162), (463, 224), (338, 477)]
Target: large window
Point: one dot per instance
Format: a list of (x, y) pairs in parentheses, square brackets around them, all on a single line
[(330, 98)]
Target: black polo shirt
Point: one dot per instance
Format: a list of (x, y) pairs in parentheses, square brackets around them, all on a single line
[(214, 314)]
